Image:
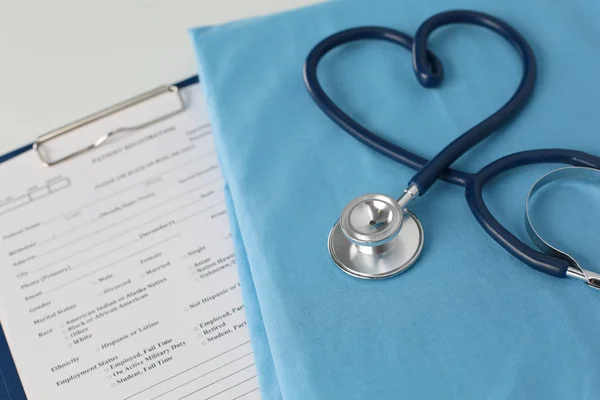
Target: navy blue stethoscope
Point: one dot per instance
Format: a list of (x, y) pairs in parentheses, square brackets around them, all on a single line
[(376, 236)]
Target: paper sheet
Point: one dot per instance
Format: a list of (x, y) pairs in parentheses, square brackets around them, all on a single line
[(117, 274)]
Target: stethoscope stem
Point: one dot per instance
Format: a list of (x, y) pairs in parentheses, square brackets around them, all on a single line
[(410, 193)]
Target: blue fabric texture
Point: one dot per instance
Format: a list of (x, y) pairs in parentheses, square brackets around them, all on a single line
[(468, 321)]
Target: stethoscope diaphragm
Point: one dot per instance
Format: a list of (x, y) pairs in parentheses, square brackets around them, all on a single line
[(375, 238)]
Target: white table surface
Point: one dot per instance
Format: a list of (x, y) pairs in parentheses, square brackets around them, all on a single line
[(64, 59)]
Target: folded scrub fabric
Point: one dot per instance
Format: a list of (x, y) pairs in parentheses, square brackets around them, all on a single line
[(467, 321)]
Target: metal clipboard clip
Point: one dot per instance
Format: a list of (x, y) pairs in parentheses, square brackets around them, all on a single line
[(43, 139)]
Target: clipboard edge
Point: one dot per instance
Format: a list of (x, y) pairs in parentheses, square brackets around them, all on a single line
[(18, 151)]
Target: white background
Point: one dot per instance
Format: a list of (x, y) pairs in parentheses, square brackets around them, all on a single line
[(63, 59)]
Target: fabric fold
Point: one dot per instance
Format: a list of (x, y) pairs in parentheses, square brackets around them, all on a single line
[(468, 320)]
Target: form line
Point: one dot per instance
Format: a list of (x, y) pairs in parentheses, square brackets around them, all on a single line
[(84, 250), (198, 129), (242, 395), (218, 380), (130, 187), (89, 260), (229, 388), (111, 264), (186, 370), (203, 375), (199, 212), (132, 229), (133, 216)]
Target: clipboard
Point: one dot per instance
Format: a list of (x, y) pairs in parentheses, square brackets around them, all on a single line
[(11, 387)]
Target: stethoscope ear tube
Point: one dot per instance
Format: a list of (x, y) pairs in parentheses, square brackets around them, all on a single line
[(550, 262)]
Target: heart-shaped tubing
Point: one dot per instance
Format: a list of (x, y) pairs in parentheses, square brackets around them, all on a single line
[(428, 77), (429, 72), (551, 265), (347, 123)]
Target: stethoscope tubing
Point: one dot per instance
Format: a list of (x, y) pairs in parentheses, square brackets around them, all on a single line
[(474, 195), (429, 71), (432, 77), (346, 122)]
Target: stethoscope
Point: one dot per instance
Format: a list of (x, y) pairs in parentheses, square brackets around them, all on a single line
[(376, 236)]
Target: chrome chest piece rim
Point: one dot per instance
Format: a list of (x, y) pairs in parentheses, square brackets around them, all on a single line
[(375, 238)]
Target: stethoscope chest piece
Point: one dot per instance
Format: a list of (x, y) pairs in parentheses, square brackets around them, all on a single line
[(375, 238)]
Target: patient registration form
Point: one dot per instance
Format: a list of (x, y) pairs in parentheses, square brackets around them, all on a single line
[(117, 273)]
